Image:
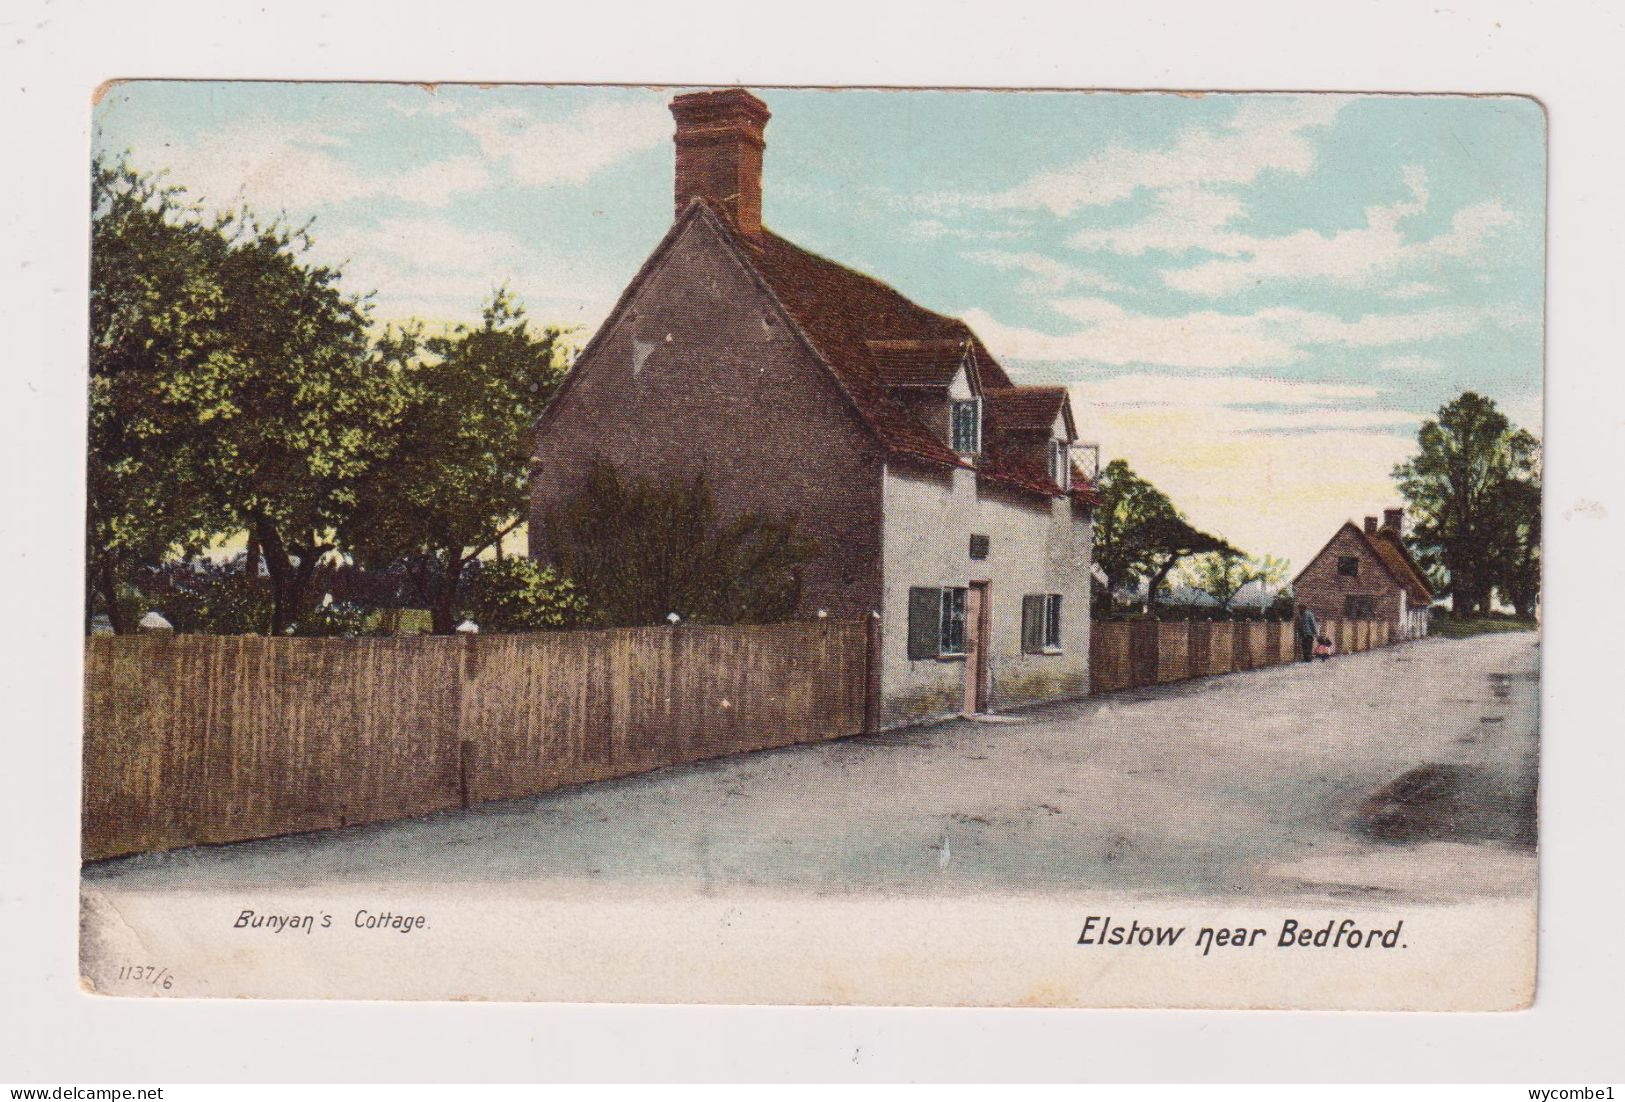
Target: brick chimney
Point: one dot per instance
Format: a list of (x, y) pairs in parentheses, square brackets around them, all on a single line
[(719, 154), (1395, 519), (1370, 526)]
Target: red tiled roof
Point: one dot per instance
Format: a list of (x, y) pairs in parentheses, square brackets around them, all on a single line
[(1388, 548), (874, 338), (1024, 408), (932, 363)]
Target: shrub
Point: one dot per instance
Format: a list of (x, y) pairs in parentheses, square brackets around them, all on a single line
[(215, 603), (523, 595), (335, 618)]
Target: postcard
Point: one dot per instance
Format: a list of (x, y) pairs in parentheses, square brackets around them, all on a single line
[(935, 547)]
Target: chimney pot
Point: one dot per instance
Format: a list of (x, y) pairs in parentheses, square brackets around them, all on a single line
[(1370, 526), (720, 138)]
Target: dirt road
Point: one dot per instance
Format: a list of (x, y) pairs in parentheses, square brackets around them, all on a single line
[(1401, 774)]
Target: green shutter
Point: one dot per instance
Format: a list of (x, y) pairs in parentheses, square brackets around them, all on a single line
[(924, 620), (1032, 623)]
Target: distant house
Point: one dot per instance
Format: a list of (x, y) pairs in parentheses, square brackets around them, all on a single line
[(944, 497), (1366, 574)]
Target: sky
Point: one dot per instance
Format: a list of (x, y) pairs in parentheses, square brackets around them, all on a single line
[(1254, 299)]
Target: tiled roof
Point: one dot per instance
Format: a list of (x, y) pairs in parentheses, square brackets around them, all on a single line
[(910, 363), (873, 338), (1388, 548), (1025, 408)]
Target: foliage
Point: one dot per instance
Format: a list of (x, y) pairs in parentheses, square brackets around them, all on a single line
[(213, 601), (155, 348), (638, 551), (522, 595), (333, 618), (232, 387), (459, 452), (1139, 535), (1223, 574), (1474, 494)]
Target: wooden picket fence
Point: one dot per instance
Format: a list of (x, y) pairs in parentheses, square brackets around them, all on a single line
[(199, 739), (1134, 654)]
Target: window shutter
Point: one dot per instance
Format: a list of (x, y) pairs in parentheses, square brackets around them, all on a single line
[(1032, 623), (1052, 621), (924, 621)]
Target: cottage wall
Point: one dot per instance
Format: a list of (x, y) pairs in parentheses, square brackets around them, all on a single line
[(1324, 590), (700, 373), (1035, 546)]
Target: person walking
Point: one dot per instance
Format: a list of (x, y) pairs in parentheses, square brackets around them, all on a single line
[(1308, 632)]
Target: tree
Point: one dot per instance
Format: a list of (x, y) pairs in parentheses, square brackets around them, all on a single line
[(1139, 535), (155, 356), (639, 550), (1516, 563), (1223, 574), (305, 408), (232, 388), (1460, 486), (458, 458)]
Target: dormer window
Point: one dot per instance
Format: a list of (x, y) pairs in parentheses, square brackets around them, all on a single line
[(967, 426), (1060, 463)]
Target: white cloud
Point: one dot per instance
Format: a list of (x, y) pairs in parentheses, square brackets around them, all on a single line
[(1207, 339), (1045, 275), (568, 151), (276, 168), (435, 270), (933, 229), (1197, 219), (1267, 133)]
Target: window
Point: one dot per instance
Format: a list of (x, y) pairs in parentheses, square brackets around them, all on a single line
[(1360, 608), (979, 546), (1041, 623), (1060, 463), (967, 426), (952, 639), (1348, 566), (936, 621)]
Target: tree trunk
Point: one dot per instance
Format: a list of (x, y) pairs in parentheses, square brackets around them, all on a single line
[(107, 586), (288, 582), (443, 613)]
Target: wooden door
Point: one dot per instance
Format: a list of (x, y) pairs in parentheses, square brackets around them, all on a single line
[(977, 609)]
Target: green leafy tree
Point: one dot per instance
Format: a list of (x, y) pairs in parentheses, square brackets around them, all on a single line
[(456, 477), (1465, 500), (1139, 535), (639, 550), (305, 413), (233, 388), (156, 354), (1516, 564), (1223, 574)]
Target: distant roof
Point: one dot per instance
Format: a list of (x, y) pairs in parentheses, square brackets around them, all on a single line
[(1388, 548)]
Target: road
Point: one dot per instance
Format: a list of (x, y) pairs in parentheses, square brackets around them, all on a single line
[(1405, 774)]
